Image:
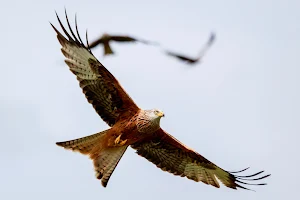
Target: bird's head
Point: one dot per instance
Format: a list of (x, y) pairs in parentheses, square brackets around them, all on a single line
[(105, 36), (156, 113)]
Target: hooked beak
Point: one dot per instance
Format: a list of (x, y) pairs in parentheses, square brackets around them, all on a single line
[(161, 114)]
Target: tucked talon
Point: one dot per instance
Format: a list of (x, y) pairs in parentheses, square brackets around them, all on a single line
[(122, 142), (119, 142)]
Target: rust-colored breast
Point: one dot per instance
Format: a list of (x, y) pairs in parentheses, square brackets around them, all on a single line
[(145, 124)]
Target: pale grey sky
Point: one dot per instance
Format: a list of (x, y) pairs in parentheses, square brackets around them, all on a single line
[(239, 108)]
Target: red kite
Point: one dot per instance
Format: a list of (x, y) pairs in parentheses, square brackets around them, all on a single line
[(132, 126)]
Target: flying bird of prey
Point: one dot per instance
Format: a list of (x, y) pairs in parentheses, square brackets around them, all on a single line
[(132, 126), (190, 60), (105, 40)]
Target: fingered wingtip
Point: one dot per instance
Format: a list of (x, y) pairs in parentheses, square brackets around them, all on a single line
[(53, 27), (239, 170), (241, 180), (52, 24), (58, 143), (56, 14), (65, 9), (61, 144), (87, 39)]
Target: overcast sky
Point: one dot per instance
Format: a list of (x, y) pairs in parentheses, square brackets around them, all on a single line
[(239, 108)]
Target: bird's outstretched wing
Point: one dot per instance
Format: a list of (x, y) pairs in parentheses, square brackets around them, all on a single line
[(100, 87), (170, 155), (120, 38), (182, 57), (207, 45), (200, 55), (97, 42), (105, 39)]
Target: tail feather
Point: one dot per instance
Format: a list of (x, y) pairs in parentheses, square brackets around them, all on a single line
[(107, 49), (106, 161), (83, 145)]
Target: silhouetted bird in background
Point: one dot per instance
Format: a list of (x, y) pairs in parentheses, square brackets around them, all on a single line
[(106, 38), (190, 60)]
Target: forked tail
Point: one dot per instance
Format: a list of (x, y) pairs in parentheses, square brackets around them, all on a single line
[(107, 49), (105, 159)]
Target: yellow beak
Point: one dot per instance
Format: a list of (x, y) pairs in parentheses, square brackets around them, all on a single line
[(161, 114)]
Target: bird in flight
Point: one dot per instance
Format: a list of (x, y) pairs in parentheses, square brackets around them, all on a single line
[(105, 40), (132, 126), (201, 54)]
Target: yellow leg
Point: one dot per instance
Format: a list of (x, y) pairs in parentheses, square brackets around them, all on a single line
[(119, 142)]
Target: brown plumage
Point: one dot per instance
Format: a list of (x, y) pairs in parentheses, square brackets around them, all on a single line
[(190, 60), (131, 126), (105, 40)]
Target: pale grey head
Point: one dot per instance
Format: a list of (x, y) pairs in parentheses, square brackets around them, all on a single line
[(149, 120), (154, 114)]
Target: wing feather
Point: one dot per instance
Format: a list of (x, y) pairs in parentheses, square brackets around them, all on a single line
[(100, 87), (124, 38), (201, 54), (120, 38), (170, 155)]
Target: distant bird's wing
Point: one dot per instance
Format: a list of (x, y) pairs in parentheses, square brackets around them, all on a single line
[(97, 42), (199, 57), (120, 38), (207, 45), (181, 57), (167, 153), (100, 87)]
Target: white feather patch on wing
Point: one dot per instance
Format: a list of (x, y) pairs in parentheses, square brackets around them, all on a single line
[(78, 61)]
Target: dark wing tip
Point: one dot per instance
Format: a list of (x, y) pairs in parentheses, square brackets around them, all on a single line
[(70, 28), (54, 28), (87, 41), (182, 57), (61, 144), (247, 179), (212, 37), (239, 171), (72, 37), (76, 25), (173, 54)]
